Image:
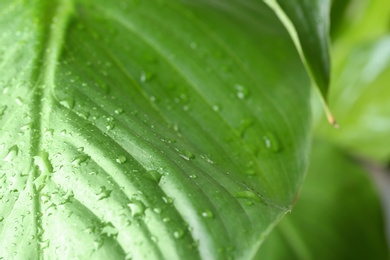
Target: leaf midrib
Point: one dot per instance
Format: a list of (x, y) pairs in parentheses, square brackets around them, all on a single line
[(58, 15)]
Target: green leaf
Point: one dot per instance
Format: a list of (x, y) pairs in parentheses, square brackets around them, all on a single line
[(337, 216), (360, 101), (147, 129), (363, 20), (359, 96), (308, 24)]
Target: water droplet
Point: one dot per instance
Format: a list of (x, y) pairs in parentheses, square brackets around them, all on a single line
[(67, 197), (207, 214), (246, 194), (49, 132), (109, 230), (175, 127), (137, 207), (80, 159), (110, 126), (250, 171), (167, 200), (166, 220), (118, 111), (272, 142), (169, 140), (153, 175), (45, 198), (44, 244), (68, 103), (245, 124), (19, 101), (154, 99), (146, 76), (216, 108), (41, 160), (193, 176), (193, 45), (2, 110), (121, 159), (207, 158), (103, 193), (154, 239), (12, 153), (157, 210), (187, 155), (178, 233), (241, 91)]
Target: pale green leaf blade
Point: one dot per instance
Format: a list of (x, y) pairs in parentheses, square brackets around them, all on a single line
[(337, 216), (147, 129), (308, 24), (361, 101)]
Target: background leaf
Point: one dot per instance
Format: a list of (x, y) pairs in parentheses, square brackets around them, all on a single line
[(359, 96), (308, 23), (360, 101), (337, 215), (147, 129)]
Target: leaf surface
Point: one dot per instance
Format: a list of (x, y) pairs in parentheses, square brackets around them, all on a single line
[(337, 216), (147, 129)]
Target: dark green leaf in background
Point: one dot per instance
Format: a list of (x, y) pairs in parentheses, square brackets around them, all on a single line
[(360, 101), (147, 129), (337, 215), (361, 74), (310, 21)]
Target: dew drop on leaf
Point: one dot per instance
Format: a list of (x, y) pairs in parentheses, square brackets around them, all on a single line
[(207, 214), (49, 132), (103, 193), (68, 103), (248, 195), (271, 142), (12, 153), (241, 91), (44, 244), (121, 159), (167, 200), (153, 175), (109, 230), (178, 233), (41, 160), (216, 108), (157, 210), (207, 158), (110, 126), (118, 111), (19, 101), (2, 110), (245, 124), (80, 159), (154, 239), (146, 76), (187, 155), (137, 207)]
